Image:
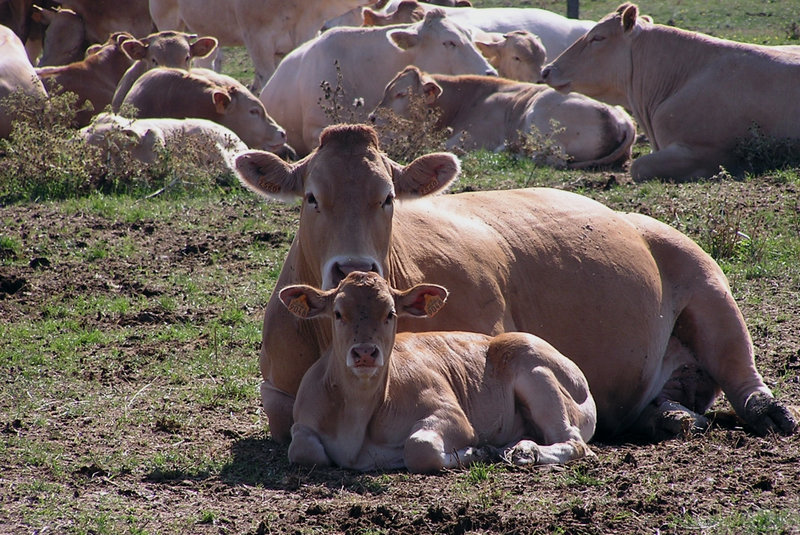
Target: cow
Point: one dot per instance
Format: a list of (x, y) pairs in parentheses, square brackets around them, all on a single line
[(16, 75), (556, 32), (517, 55), (64, 39), (645, 313), (103, 17), (493, 113), (145, 139), (378, 400), (162, 49), (293, 94), (93, 79), (205, 94), (676, 83), (118, 63)]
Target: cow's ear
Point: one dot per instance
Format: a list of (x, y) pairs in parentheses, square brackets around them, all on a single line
[(135, 49), (306, 302), (266, 174), (370, 18), (629, 16), (421, 301), (203, 47), (431, 90), (425, 175), (489, 49), (221, 100), (403, 39)]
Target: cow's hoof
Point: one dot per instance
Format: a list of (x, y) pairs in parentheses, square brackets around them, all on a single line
[(523, 453), (764, 414), (670, 420)]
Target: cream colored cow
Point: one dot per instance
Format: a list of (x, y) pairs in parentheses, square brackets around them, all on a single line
[(696, 97), (16, 74), (427, 401), (644, 312)]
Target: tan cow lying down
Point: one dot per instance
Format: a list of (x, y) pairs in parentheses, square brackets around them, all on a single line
[(144, 139), (493, 111), (205, 94), (645, 313), (429, 401), (109, 73), (367, 59), (694, 95), (16, 74)]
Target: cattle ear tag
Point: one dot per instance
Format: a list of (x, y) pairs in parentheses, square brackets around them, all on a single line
[(299, 306), (433, 304), (429, 187)]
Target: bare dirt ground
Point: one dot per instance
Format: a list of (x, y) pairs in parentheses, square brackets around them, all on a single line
[(724, 481)]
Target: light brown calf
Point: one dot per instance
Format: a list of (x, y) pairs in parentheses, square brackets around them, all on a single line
[(491, 113), (428, 401)]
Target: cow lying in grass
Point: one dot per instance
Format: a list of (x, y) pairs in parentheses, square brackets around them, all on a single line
[(427, 401)]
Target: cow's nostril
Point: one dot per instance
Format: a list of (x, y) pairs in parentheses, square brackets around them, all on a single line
[(545, 73)]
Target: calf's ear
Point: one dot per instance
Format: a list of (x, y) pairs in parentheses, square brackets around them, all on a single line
[(427, 174), (266, 174), (421, 301), (306, 302), (203, 47), (221, 100), (629, 16), (134, 49)]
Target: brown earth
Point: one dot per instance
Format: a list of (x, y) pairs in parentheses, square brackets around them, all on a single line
[(724, 481)]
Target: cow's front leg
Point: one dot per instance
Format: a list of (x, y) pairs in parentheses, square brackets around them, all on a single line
[(306, 447), (278, 408), (527, 452)]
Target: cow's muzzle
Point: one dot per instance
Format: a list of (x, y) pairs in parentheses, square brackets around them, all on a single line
[(338, 268)]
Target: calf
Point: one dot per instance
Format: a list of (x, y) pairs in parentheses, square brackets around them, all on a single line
[(517, 55), (492, 112), (427, 401)]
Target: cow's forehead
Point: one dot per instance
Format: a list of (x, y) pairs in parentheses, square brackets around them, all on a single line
[(356, 171), (364, 292)]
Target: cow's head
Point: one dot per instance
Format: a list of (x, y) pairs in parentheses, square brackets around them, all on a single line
[(437, 44), (407, 11), (169, 49), (599, 63), (349, 188), (517, 55), (363, 310), (409, 86)]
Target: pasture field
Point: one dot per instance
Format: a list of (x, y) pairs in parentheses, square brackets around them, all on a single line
[(129, 334)]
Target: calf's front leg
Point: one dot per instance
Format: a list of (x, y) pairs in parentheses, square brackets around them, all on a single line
[(306, 447)]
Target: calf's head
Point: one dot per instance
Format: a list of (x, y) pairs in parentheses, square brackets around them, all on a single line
[(348, 189), (363, 310), (169, 49)]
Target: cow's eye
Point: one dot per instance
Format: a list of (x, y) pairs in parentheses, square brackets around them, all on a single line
[(391, 315), (401, 94), (310, 199), (516, 58), (337, 315), (597, 38), (450, 44), (388, 201), (155, 62)]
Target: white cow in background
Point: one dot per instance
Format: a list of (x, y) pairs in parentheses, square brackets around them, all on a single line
[(367, 58)]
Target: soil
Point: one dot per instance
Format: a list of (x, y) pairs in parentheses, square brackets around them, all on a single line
[(724, 480)]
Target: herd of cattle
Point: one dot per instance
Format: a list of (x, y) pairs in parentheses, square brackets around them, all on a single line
[(645, 317)]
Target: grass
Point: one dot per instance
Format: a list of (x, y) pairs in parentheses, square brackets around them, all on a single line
[(136, 382)]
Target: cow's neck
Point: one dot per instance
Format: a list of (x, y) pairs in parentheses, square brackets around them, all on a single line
[(652, 80)]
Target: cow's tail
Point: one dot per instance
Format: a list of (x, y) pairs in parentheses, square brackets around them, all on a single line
[(620, 154)]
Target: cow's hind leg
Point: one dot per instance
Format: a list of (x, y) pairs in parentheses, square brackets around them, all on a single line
[(675, 162), (554, 418)]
